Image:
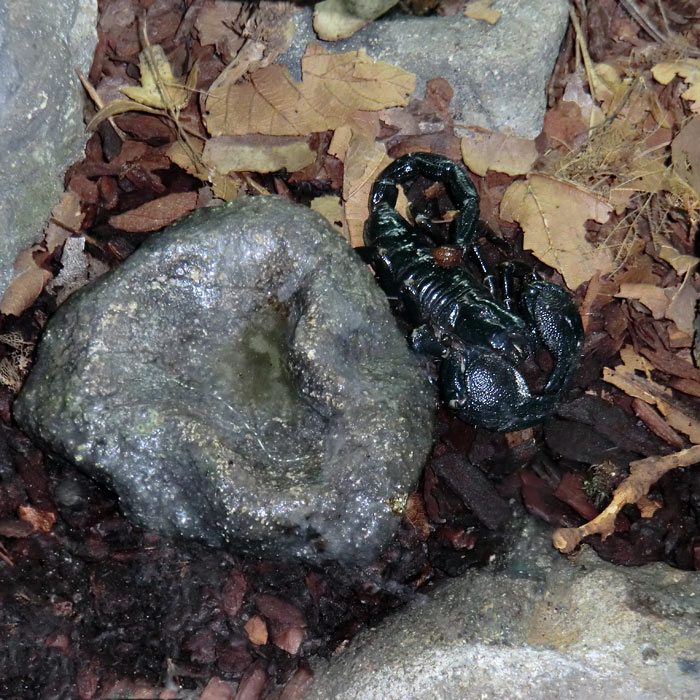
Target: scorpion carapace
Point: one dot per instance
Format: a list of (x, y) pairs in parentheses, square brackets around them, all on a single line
[(460, 319)]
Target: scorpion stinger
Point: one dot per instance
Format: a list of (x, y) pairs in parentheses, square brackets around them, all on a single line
[(458, 318)]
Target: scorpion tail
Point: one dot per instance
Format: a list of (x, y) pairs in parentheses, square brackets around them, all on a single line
[(441, 169), (558, 324), (486, 390)]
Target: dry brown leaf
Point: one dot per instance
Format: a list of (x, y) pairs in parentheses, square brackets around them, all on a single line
[(111, 109), (223, 186), (333, 87), (652, 296), (65, 220), (484, 150), (214, 24), (155, 214), (28, 282), (685, 154), (680, 262), (481, 9), (364, 158), (343, 83), (681, 308), (331, 208), (270, 102), (159, 88), (159, 93), (689, 70), (625, 379), (552, 214), (256, 153)]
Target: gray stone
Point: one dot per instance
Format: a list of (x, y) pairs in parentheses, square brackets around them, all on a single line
[(535, 627), (239, 379), (498, 72), (41, 112)]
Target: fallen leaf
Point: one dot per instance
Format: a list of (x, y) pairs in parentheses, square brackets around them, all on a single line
[(155, 214), (364, 159), (685, 154), (280, 611), (115, 107), (298, 685), (333, 87), (652, 296), (680, 262), (270, 102), (66, 219), (252, 682), (15, 528), (564, 126), (340, 84), (682, 306), (256, 153), (689, 70), (552, 214), (28, 282), (223, 186), (577, 92), (331, 208), (159, 93), (159, 87), (215, 25), (484, 150), (481, 9)]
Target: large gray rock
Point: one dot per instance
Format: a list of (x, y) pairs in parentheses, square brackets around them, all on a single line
[(498, 72), (41, 112), (535, 627), (239, 379)]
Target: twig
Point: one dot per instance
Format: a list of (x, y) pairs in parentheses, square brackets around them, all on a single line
[(644, 473), (94, 96), (648, 26), (173, 113), (581, 41)]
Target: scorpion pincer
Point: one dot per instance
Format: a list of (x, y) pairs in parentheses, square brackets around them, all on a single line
[(460, 319)]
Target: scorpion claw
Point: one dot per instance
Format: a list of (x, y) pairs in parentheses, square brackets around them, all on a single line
[(486, 390)]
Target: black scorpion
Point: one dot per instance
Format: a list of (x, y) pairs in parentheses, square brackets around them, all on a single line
[(458, 318)]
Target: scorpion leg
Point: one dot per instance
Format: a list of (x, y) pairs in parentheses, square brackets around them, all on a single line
[(487, 390), (551, 311), (426, 342)]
